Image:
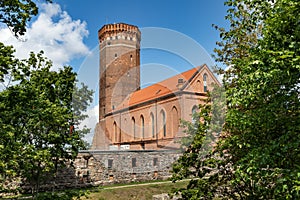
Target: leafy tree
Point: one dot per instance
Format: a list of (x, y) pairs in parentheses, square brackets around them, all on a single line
[(257, 156), (39, 120), (16, 13), (198, 161), (40, 109), (262, 88)]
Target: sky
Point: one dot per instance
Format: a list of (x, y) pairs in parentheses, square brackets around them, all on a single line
[(176, 36)]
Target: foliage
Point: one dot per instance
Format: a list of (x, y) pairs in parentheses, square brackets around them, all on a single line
[(37, 119), (66, 195), (262, 91), (16, 13), (198, 161), (257, 156)]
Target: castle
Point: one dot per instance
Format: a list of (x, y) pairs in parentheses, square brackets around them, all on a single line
[(131, 118)]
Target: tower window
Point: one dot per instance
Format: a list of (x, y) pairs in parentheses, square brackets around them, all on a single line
[(130, 57), (116, 55)]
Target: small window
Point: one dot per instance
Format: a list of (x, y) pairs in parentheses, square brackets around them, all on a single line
[(133, 162), (155, 161), (131, 58), (110, 163), (116, 55), (108, 43), (180, 80)]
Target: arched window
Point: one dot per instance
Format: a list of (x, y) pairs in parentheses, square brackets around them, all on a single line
[(152, 125), (115, 132), (175, 121), (164, 125), (204, 83), (142, 127), (133, 127)]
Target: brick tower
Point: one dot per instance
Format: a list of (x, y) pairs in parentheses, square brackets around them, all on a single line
[(119, 65)]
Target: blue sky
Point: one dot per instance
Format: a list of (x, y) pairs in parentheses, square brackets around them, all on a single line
[(193, 18)]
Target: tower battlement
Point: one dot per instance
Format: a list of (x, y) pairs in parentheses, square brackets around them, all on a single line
[(119, 31)]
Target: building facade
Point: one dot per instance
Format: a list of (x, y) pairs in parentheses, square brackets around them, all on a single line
[(148, 118)]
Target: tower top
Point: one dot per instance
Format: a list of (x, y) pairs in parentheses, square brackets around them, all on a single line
[(109, 30)]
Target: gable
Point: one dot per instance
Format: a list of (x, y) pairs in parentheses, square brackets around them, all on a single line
[(197, 83)]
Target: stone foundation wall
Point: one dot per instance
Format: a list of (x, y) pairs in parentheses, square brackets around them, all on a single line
[(108, 167), (96, 168)]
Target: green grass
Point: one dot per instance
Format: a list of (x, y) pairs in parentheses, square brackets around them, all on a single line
[(140, 191)]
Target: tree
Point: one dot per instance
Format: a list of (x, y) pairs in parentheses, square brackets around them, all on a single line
[(262, 89), (15, 14), (198, 161), (40, 109), (39, 120), (257, 156)]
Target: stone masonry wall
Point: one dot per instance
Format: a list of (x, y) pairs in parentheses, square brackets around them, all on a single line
[(96, 168), (108, 167)]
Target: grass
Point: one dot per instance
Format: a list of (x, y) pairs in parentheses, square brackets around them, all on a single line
[(139, 191)]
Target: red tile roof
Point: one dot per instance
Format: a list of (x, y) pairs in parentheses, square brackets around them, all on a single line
[(159, 89)]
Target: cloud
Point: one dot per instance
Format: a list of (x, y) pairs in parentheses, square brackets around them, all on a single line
[(54, 32)]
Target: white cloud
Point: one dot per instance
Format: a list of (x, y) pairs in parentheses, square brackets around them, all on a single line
[(54, 32)]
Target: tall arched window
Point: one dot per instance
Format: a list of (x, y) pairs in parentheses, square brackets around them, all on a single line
[(133, 127), (175, 121), (152, 125), (115, 132), (164, 125), (204, 83), (142, 127)]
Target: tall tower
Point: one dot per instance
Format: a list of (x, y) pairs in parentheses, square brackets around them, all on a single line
[(119, 64)]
